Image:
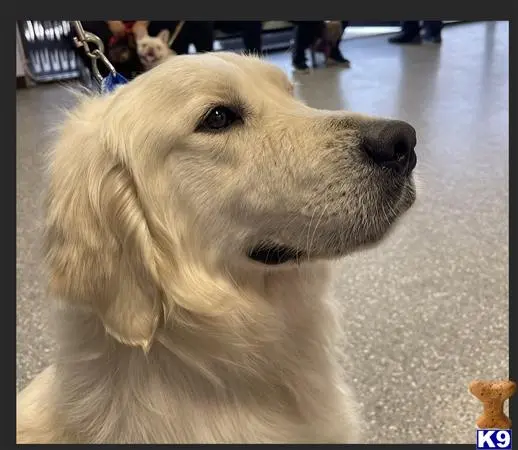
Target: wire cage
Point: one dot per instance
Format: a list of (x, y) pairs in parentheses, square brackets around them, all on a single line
[(49, 50)]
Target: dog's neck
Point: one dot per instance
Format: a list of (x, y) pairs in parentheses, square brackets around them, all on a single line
[(206, 358), (190, 336)]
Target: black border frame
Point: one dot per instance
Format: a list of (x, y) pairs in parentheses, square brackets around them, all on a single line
[(381, 10)]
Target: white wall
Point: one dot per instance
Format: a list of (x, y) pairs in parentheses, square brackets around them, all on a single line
[(20, 71)]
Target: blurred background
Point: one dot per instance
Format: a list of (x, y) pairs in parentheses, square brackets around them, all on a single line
[(427, 310), (46, 53)]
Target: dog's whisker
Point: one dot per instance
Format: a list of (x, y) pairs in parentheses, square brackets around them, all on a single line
[(316, 227), (315, 208)]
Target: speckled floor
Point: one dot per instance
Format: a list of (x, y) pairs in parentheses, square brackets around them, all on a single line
[(427, 309)]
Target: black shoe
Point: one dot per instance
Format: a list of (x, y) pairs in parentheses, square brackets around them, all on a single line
[(336, 57), (301, 66), (403, 38), (433, 38)]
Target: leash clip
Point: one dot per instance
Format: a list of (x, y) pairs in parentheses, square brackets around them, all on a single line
[(84, 39)]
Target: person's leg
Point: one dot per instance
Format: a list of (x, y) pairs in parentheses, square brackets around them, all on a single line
[(202, 36), (410, 27), (251, 31), (305, 35), (335, 54), (433, 30), (228, 27), (409, 33), (184, 38)]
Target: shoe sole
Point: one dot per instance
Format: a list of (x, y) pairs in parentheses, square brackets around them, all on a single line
[(334, 62), (412, 42)]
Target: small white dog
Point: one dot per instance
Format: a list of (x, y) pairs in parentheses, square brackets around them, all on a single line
[(188, 230), (152, 50)]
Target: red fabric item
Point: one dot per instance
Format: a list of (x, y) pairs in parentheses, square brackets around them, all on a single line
[(128, 24)]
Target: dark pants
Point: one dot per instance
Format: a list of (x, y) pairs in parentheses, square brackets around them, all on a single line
[(250, 30), (411, 28), (200, 34), (306, 33)]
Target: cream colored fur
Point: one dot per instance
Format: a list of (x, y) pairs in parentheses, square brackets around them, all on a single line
[(166, 331), (152, 50)]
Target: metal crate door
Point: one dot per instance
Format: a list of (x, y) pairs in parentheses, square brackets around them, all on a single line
[(49, 51)]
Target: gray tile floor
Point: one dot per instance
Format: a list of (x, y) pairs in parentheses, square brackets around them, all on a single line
[(427, 309)]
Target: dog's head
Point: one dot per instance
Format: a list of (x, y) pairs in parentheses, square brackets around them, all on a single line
[(152, 50), (161, 192)]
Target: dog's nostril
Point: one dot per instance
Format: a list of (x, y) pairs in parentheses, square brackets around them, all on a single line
[(390, 144), (401, 151)]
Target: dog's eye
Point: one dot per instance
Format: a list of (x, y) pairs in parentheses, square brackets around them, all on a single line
[(218, 118)]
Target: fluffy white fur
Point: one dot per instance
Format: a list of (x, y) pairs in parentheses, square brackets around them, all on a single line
[(167, 331)]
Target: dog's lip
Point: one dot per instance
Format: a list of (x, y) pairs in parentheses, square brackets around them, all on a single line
[(274, 254)]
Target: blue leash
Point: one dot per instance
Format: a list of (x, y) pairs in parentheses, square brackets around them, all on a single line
[(85, 39), (111, 82)]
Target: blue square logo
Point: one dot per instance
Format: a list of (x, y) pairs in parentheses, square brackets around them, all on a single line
[(494, 439)]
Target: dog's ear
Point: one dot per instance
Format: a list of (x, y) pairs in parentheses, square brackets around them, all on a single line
[(140, 30), (164, 36), (98, 245)]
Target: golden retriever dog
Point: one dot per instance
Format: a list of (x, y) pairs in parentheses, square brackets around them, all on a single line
[(189, 229)]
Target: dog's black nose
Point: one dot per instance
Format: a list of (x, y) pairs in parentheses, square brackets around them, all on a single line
[(390, 144)]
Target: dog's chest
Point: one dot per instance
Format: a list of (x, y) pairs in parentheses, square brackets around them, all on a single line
[(255, 416)]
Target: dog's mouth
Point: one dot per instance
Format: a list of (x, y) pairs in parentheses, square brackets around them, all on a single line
[(336, 235), (149, 57), (274, 254)]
